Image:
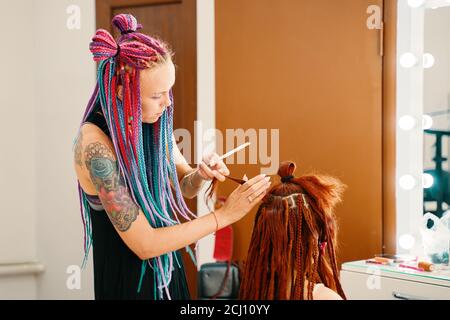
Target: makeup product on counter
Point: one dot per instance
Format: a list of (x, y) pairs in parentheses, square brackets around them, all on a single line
[(384, 260), (373, 261), (410, 267), (398, 258)]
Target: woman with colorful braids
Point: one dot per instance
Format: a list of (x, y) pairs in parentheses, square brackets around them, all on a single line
[(132, 177), (292, 253)]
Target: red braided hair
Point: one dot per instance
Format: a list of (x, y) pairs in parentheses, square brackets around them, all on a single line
[(293, 244)]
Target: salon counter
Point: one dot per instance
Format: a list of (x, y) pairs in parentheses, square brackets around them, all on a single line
[(362, 281)]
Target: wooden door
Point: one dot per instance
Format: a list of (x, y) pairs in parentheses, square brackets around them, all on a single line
[(313, 70), (173, 21)]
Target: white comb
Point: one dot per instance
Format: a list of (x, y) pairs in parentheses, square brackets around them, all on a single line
[(229, 153)]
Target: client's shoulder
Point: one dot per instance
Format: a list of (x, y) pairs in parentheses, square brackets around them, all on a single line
[(321, 292)]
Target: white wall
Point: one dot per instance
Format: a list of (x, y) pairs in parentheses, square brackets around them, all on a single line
[(64, 80), (206, 106), (16, 136), (48, 76), (17, 165)]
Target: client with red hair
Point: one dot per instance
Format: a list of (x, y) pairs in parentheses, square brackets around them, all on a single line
[(292, 253)]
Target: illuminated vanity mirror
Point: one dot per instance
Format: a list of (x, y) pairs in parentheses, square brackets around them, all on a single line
[(437, 110)]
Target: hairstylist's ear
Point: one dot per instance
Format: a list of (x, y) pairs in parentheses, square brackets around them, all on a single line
[(119, 92)]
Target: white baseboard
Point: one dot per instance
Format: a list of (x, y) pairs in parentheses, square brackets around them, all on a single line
[(18, 281)]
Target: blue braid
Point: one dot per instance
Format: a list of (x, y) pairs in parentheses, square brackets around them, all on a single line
[(146, 173)]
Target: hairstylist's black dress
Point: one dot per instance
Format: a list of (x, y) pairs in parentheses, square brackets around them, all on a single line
[(117, 269)]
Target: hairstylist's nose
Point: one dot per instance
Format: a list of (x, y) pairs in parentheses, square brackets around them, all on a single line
[(167, 101)]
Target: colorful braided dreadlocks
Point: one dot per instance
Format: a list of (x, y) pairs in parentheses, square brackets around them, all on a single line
[(294, 239), (144, 151)]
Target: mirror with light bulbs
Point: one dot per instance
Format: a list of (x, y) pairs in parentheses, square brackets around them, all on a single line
[(436, 110), (423, 116)]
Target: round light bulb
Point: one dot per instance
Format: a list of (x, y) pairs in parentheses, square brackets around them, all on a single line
[(408, 60), (407, 123), (416, 3), (428, 60), (427, 180), (406, 241), (427, 122), (407, 182)]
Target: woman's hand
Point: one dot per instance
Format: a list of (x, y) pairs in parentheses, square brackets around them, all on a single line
[(242, 200), (212, 167)]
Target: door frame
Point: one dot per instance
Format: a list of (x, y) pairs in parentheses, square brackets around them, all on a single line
[(103, 9)]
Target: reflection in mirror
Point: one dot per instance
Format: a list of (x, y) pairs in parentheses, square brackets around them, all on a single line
[(436, 104), (437, 110)]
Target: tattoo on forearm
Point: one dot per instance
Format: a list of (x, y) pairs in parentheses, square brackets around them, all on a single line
[(184, 183), (78, 149), (111, 188), (188, 188)]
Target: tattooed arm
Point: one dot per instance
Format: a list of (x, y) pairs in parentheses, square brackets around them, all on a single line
[(96, 155), (111, 188), (190, 181)]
